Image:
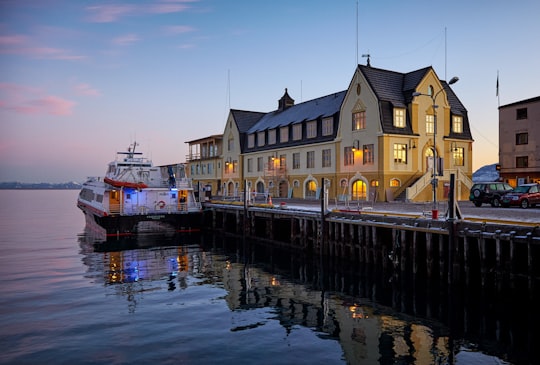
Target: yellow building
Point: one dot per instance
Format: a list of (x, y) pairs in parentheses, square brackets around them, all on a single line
[(388, 136)]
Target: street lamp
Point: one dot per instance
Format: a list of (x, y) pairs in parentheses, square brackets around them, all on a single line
[(434, 180)]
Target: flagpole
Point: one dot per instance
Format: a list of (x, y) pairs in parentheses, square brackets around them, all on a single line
[(498, 96)]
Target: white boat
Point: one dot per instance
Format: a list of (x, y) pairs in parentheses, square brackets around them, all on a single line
[(137, 197)]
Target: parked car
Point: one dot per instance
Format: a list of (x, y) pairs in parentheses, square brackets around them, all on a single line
[(526, 195), (488, 193)]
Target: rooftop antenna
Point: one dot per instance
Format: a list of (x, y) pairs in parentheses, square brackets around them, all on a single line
[(368, 56), (356, 33)]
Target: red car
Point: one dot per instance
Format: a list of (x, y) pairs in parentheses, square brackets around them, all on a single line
[(526, 195)]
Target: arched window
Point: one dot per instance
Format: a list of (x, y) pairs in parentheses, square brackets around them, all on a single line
[(359, 189), (311, 189), (395, 183)]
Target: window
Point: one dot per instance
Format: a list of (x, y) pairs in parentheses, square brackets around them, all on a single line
[(230, 144), (395, 183), (359, 120), (430, 90), (457, 155), (522, 161), (310, 159), (259, 163), (260, 139), (282, 161), (457, 124), (251, 140), (521, 113), (272, 136), (284, 134), (430, 125), (399, 117), (327, 127), (296, 160), (326, 158), (297, 132), (311, 129), (271, 163), (522, 138), (368, 154), (348, 155), (250, 165), (400, 153)]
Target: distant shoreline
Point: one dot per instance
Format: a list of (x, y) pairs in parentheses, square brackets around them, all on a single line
[(39, 186)]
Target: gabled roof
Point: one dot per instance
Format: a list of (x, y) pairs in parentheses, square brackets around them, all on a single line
[(245, 119), (309, 110), (394, 89)]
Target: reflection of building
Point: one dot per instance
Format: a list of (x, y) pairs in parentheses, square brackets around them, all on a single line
[(374, 140), (519, 141)]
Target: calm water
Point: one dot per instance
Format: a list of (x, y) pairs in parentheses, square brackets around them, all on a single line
[(199, 300)]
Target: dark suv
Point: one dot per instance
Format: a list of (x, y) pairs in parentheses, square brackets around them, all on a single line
[(488, 193)]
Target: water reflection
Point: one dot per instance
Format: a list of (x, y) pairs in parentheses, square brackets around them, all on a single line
[(377, 318)]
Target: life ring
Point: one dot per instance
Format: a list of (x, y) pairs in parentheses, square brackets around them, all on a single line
[(160, 204)]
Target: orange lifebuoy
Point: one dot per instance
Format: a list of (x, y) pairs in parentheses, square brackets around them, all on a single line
[(161, 204)]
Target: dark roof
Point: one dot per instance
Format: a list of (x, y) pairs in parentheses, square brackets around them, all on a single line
[(309, 110), (245, 119), (526, 101), (394, 89)]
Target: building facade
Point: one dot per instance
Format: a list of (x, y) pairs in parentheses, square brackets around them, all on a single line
[(519, 142), (383, 138)]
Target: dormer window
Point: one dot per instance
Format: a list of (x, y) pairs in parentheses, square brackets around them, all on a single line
[(399, 117), (260, 139), (457, 124), (272, 136), (311, 129), (251, 140)]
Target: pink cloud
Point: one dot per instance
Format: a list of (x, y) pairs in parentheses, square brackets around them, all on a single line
[(22, 45), (85, 89), (30, 100), (109, 13), (126, 40), (113, 12)]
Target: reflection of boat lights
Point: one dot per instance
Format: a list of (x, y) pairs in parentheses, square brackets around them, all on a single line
[(357, 312), (228, 265), (274, 281)]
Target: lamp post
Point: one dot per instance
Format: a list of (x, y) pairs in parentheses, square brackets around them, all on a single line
[(434, 180)]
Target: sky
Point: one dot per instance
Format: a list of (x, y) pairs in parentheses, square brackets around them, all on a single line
[(81, 80)]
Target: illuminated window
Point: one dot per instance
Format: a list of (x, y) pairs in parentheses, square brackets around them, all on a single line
[(400, 153), (375, 183), (359, 120), (311, 189), (430, 124), (399, 117), (457, 124), (457, 155), (395, 183)]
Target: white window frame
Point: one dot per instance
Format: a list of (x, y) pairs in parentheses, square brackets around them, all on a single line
[(311, 129), (399, 117)]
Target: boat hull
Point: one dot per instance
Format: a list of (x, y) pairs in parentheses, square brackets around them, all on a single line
[(111, 226)]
